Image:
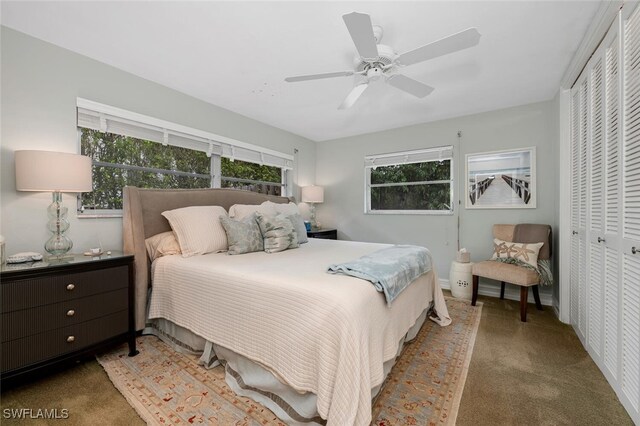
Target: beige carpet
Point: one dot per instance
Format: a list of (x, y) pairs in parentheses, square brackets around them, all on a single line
[(536, 373), (425, 386)]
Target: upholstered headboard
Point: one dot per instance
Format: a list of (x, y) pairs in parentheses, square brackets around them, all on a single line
[(142, 218)]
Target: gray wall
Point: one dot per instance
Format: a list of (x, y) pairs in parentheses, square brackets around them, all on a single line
[(40, 83), (339, 168), (555, 137)]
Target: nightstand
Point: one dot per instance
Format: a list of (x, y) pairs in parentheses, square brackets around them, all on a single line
[(59, 311), (325, 234)]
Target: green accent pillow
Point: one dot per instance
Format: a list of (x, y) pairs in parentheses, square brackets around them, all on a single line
[(243, 235), (278, 232)]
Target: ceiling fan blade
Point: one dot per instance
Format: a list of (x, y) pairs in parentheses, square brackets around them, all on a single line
[(319, 76), (462, 40), (353, 96), (361, 30), (409, 85)]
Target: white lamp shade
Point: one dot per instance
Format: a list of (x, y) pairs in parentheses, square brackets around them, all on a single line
[(52, 171), (312, 194)]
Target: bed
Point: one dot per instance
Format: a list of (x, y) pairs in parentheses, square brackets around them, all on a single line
[(311, 346)]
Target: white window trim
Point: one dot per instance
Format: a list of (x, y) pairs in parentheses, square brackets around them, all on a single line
[(370, 163), (219, 146)]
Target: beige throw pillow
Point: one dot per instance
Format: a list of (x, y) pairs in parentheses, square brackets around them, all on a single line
[(162, 244), (198, 229), (526, 252), (241, 211)]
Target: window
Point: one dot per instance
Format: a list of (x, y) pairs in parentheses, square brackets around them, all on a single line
[(419, 182), (251, 177), (130, 149)]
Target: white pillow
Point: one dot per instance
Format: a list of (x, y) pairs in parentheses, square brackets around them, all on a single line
[(163, 244), (198, 229), (286, 209), (240, 211)]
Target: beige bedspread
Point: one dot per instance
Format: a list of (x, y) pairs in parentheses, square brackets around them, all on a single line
[(321, 333)]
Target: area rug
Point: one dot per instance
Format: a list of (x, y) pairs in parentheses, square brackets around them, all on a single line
[(423, 388)]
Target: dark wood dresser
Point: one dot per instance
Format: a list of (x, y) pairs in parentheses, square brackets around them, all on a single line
[(55, 312), (326, 234)]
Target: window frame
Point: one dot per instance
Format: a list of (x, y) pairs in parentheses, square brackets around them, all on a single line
[(228, 148), (368, 185)]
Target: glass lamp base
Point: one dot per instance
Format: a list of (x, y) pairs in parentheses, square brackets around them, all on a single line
[(58, 244)]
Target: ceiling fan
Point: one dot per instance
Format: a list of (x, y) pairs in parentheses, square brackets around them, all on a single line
[(377, 61)]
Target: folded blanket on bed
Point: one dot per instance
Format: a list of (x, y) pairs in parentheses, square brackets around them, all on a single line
[(390, 269)]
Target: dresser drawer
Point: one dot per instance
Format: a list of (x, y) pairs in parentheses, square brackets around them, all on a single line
[(38, 291), (25, 322), (41, 347)]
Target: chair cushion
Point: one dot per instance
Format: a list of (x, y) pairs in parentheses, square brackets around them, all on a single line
[(506, 272)]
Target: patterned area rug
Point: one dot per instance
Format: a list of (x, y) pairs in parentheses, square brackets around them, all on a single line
[(423, 388)]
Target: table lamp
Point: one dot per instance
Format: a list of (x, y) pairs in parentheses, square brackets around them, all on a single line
[(55, 172), (313, 195)]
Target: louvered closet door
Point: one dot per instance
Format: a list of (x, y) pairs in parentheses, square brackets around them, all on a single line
[(630, 285), (611, 202), (575, 207), (582, 208), (580, 130), (595, 202)]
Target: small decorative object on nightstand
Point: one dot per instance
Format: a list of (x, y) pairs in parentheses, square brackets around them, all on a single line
[(325, 234), (55, 312)]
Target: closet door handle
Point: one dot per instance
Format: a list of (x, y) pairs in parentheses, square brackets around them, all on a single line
[(634, 250), (574, 232), (600, 240)]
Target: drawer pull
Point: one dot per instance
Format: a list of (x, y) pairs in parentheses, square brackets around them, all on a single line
[(71, 313), (71, 339), (70, 287)]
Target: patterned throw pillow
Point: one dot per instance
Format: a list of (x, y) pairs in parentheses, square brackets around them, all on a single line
[(525, 252), (298, 226), (244, 235), (278, 233), (293, 212)]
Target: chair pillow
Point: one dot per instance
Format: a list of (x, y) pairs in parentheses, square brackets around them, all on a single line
[(198, 229), (162, 244), (278, 233), (244, 235), (525, 252)]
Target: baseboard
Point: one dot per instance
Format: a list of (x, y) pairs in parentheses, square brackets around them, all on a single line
[(509, 293)]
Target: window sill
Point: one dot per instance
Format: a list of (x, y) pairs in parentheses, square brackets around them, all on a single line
[(101, 215), (411, 212)]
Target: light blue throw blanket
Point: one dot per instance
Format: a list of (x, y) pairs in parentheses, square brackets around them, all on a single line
[(390, 270)]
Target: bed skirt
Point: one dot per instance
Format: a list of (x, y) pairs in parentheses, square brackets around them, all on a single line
[(248, 378)]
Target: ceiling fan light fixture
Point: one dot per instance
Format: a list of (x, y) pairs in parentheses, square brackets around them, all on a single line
[(375, 60)]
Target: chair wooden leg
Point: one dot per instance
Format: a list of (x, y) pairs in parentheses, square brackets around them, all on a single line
[(474, 297), (524, 295), (501, 289), (536, 296)]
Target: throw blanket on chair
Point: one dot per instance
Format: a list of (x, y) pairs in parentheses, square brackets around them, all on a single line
[(390, 270)]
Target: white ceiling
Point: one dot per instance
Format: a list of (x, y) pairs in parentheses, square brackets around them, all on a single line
[(236, 54)]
